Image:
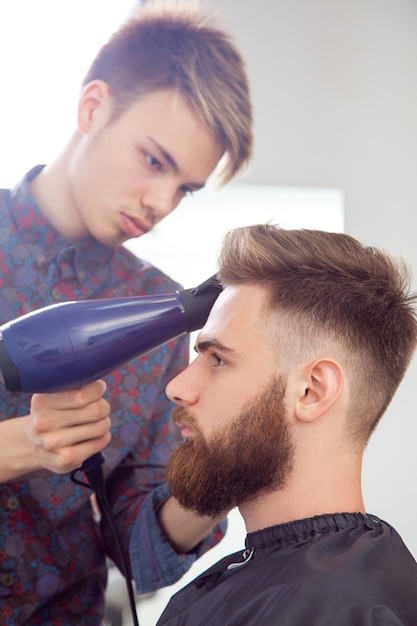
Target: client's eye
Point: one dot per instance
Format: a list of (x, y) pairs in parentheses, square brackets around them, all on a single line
[(217, 359)]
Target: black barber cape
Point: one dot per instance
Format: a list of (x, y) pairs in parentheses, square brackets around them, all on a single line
[(347, 569)]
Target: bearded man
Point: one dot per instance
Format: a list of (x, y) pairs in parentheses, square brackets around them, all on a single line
[(299, 358)]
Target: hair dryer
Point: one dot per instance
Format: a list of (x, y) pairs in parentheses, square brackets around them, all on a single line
[(66, 345)]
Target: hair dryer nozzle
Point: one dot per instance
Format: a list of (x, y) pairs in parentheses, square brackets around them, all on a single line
[(198, 302)]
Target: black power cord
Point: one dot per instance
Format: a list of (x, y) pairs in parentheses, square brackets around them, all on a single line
[(95, 476)]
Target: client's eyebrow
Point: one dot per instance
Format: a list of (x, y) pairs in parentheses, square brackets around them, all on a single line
[(212, 344)]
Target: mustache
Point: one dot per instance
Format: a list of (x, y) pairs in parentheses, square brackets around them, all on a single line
[(182, 417)]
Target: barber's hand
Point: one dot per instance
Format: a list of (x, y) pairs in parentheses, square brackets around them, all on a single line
[(67, 427)]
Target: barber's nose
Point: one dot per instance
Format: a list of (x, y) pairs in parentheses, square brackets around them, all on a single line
[(181, 390), (160, 199)]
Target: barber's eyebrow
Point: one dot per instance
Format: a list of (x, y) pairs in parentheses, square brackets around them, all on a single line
[(212, 344), (167, 156)]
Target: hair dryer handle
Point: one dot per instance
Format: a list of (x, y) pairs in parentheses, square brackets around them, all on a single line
[(93, 461)]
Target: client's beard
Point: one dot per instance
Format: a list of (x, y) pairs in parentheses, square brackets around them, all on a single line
[(251, 454)]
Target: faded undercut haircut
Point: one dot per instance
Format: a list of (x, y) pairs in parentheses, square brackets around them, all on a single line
[(174, 45), (327, 289)]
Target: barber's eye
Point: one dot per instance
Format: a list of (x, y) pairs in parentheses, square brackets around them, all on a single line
[(186, 191), (152, 161)]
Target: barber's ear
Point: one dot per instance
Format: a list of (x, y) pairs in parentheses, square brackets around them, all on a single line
[(319, 385), (94, 103)]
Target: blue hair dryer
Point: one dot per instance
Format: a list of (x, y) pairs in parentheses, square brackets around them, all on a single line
[(66, 345)]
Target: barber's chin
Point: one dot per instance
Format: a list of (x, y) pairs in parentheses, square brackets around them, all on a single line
[(112, 239)]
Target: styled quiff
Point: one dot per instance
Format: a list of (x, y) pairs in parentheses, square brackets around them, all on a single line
[(327, 290), (174, 45)]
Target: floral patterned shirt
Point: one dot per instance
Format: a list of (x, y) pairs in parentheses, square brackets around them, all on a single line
[(52, 551)]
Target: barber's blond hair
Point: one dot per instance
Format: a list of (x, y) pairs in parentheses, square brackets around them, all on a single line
[(172, 44), (327, 289)]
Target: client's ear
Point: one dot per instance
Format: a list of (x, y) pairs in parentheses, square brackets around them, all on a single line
[(319, 385)]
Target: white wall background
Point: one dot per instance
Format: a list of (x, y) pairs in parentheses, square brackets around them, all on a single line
[(46, 47), (335, 94)]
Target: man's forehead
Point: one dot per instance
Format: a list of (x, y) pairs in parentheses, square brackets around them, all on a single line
[(238, 297), (237, 309)]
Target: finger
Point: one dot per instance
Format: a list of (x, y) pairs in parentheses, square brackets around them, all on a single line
[(44, 419), (62, 438), (72, 398), (70, 458)]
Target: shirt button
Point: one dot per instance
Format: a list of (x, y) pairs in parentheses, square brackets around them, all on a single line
[(56, 294), (7, 580), (12, 503)]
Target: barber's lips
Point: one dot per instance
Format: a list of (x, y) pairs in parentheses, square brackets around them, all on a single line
[(134, 227)]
